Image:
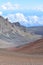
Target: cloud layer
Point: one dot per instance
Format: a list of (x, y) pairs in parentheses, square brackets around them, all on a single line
[(12, 6), (26, 20)]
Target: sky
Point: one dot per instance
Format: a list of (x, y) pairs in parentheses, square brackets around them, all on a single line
[(26, 12)]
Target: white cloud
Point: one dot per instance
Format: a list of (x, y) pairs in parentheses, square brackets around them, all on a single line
[(1, 13), (20, 17), (10, 6), (38, 8), (29, 20), (17, 17), (33, 19)]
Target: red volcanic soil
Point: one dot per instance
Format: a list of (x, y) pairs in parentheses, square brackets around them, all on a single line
[(31, 48)]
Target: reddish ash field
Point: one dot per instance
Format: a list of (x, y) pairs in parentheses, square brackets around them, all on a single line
[(31, 48)]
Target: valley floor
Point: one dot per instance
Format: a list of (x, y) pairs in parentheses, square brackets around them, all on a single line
[(13, 58)]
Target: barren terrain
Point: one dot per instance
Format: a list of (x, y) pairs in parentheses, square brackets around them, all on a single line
[(11, 58), (30, 54), (30, 48)]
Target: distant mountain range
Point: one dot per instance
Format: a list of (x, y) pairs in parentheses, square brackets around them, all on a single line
[(14, 34)]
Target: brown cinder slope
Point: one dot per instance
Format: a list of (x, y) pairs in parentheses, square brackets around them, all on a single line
[(32, 48)]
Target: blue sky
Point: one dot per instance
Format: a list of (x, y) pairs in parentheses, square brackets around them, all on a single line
[(27, 12)]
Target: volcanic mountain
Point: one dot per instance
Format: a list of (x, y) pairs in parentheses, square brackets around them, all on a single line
[(15, 35)]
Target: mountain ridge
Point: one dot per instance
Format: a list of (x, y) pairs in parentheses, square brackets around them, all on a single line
[(15, 33)]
